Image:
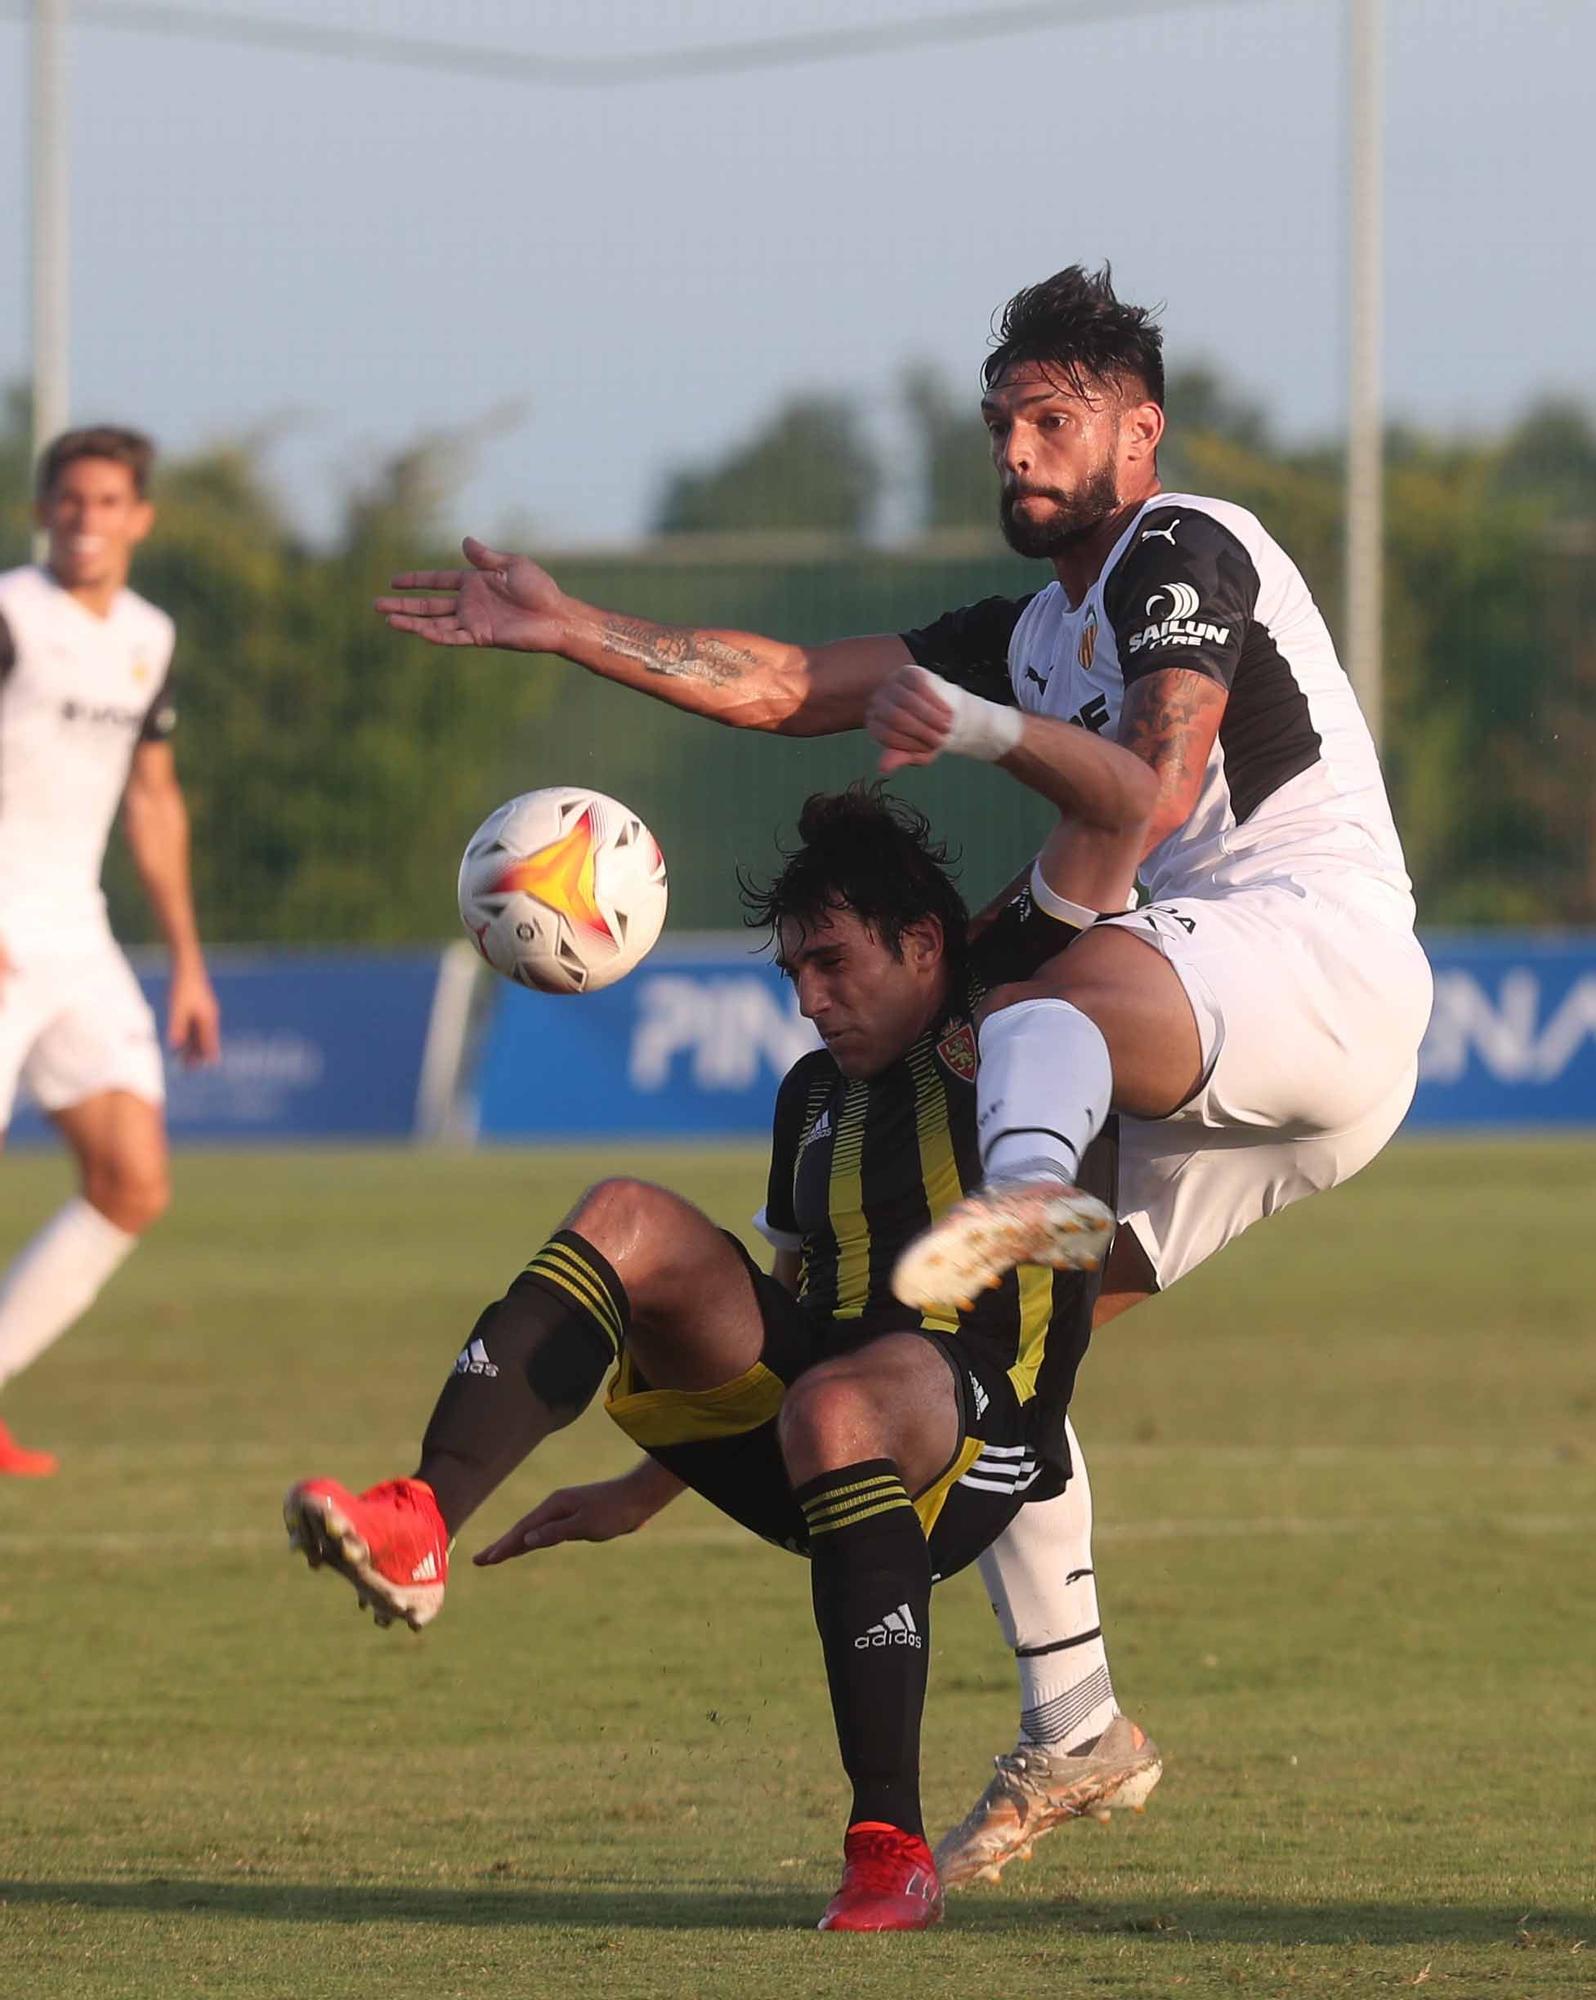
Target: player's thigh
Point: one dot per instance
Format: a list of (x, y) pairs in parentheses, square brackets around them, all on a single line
[(119, 1142), (98, 1039), (1143, 1010), (896, 1397), (1185, 1192), (1308, 1015), (722, 1439)]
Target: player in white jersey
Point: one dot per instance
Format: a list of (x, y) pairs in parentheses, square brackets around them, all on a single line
[(85, 716), (1256, 1023)]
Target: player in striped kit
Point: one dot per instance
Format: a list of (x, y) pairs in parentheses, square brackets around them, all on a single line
[(887, 1444), (86, 715)]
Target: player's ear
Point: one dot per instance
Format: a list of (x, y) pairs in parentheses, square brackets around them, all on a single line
[(141, 520), (1141, 427), (924, 942)]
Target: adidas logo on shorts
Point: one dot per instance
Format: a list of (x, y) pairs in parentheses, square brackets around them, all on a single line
[(896, 1629), (473, 1360)]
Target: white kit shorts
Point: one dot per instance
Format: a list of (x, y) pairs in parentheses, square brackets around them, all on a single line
[(1311, 1005), (74, 1023)]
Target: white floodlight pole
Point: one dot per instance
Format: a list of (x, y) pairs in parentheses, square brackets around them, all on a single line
[(50, 275), (1365, 522)]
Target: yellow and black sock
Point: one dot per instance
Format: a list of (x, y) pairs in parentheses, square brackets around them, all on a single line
[(533, 1362), (870, 1574)]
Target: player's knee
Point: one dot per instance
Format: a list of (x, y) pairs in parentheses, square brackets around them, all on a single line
[(134, 1194), (829, 1417)]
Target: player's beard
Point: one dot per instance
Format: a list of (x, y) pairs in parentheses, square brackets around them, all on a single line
[(1074, 515)]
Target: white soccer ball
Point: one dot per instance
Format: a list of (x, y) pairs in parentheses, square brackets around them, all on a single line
[(563, 890)]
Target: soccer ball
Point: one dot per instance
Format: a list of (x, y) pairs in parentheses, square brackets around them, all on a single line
[(563, 890)]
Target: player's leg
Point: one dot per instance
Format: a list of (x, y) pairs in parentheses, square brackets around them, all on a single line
[(1298, 1016), (119, 1143), (633, 1269), (92, 1058), (1076, 1755), (1107, 1024), (872, 1441)]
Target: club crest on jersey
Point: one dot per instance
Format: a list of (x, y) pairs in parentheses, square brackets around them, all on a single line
[(1175, 622), (957, 1049), (1088, 645)]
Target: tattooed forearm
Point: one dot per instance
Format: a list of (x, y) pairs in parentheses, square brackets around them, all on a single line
[(1170, 720), (675, 652)]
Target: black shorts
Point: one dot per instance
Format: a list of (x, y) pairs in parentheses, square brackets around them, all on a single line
[(722, 1441)]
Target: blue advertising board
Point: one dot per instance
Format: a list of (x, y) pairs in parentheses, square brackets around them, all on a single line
[(315, 1045), (1512, 1039), (693, 1045)]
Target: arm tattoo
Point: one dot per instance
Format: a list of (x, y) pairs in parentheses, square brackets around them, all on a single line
[(676, 653), (1169, 720)]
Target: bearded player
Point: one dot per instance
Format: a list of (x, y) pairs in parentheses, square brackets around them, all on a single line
[(1256, 1023), (86, 717)]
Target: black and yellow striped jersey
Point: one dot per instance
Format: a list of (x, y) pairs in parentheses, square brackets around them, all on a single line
[(861, 1166)]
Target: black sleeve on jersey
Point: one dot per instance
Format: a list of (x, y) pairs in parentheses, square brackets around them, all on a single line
[(786, 1131), (971, 647), (1181, 602), (1018, 942), (8, 650), (160, 718)]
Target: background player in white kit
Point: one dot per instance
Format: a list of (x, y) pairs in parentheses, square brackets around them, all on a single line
[(1256, 1025), (85, 714)]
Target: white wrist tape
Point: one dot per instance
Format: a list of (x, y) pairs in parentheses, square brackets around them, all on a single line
[(1060, 908), (981, 728)]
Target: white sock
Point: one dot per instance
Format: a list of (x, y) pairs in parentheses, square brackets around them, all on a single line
[(55, 1279), (1039, 1577), (1042, 1091)]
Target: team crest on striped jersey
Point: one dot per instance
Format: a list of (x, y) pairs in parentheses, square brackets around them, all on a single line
[(1088, 645), (957, 1050)]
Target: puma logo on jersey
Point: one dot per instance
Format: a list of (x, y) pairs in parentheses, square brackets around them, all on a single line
[(1041, 679), (1093, 716), (1161, 534)]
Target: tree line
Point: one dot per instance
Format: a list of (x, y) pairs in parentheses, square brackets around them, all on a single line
[(334, 770)]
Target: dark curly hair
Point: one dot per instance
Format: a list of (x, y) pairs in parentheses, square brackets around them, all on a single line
[(862, 850), (1073, 322)]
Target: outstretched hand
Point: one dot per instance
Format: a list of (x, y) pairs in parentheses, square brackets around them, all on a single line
[(909, 719), (501, 600), (596, 1513)]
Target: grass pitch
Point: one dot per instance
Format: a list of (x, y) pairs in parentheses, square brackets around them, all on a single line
[(1345, 1493)]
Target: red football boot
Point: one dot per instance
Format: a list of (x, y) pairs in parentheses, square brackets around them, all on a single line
[(389, 1541), (18, 1462), (889, 1882)]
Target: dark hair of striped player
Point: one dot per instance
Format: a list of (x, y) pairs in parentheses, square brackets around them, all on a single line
[(866, 851)]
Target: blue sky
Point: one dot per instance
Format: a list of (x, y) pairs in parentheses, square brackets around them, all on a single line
[(347, 254)]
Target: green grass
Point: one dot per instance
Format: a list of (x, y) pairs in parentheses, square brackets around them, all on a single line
[(1345, 1492)]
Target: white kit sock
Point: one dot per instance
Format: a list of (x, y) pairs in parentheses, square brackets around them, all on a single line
[(1039, 1577), (54, 1279), (1042, 1091)]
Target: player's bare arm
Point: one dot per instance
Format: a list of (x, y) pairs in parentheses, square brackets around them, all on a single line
[(1169, 720), (155, 820), (737, 678), (1105, 794)]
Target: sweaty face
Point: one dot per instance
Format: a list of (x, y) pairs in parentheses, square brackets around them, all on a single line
[(868, 1006), (94, 519), (1058, 458)]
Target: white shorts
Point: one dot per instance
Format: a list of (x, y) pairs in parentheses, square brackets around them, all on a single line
[(1310, 1010), (73, 1023)]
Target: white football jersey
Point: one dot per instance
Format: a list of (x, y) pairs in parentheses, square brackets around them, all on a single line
[(78, 693), (1293, 790)]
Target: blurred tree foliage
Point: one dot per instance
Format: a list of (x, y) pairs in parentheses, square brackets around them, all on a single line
[(335, 770)]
